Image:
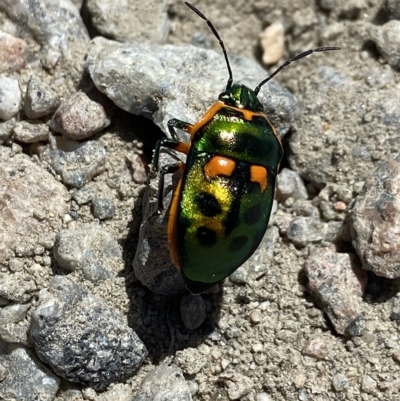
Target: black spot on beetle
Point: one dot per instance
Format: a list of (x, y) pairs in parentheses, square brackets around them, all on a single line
[(206, 236), (238, 243), (208, 204), (252, 215)]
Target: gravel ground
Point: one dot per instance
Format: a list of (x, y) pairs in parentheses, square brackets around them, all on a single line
[(91, 307)]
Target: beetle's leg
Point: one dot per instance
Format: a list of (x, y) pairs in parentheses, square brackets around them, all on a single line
[(170, 144), (175, 123), (170, 169)]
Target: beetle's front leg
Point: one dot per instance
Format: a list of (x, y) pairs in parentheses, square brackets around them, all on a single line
[(169, 169), (170, 144), (163, 143), (182, 125)]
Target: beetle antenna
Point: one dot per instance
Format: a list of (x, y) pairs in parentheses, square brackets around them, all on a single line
[(286, 63), (214, 31)]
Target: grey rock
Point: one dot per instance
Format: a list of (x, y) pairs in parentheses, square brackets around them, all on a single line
[(10, 97), (139, 174), (131, 20), (82, 338), (117, 392), (164, 383), (303, 207), (290, 184), (40, 100), (238, 385), (337, 282), (356, 327), (83, 196), (17, 287), (340, 151), (304, 230), (393, 8), (13, 313), (374, 218), (387, 40), (103, 208), (368, 384), (15, 333), (152, 263), (23, 376), (30, 132), (395, 313), (29, 198), (76, 162), (190, 360), (316, 348), (93, 251), (13, 52), (56, 26), (380, 77), (193, 311), (6, 129), (79, 117), (155, 88), (340, 382), (13, 325)]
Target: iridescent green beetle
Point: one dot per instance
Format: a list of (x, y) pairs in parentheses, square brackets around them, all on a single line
[(221, 206)]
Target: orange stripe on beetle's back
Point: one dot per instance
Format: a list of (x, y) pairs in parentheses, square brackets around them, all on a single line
[(219, 165), (248, 115), (259, 174), (217, 106)]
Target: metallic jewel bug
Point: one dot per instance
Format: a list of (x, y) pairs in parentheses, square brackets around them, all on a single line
[(221, 206)]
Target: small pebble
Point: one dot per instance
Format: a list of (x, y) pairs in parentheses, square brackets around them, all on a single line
[(238, 386), (273, 42), (396, 356), (303, 394), (10, 97), (79, 117), (290, 185), (190, 360), (393, 8), (368, 384), (83, 196), (193, 311), (387, 40), (303, 230), (103, 208), (300, 380), (193, 387), (30, 132), (225, 363), (380, 77), (6, 129), (340, 382), (76, 162), (315, 348), (263, 397), (40, 100), (255, 316), (257, 347), (13, 52)]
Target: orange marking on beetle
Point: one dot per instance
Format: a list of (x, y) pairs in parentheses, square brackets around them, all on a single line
[(173, 224), (219, 165), (259, 174), (215, 108), (206, 118)]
